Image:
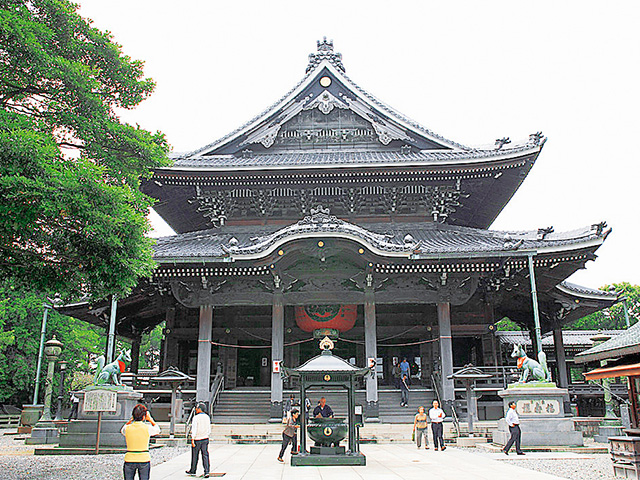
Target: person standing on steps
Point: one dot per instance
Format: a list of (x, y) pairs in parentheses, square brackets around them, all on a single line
[(200, 431), (513, 421), (289, 435), (404, 391), (136, 432), (420, 428), (395, 373), (436, 414), (405, 369)]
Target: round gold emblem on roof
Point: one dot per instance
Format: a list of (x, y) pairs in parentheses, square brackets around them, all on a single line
[(325, 82)]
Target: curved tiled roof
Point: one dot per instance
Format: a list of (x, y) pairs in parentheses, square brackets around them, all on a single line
[(346, 158), (384, 238), (196, 157), (626, 343)]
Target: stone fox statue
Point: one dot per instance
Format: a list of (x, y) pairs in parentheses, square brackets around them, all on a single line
[(110, 374), (531, 370)]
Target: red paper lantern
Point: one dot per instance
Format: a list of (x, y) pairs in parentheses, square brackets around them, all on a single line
[(313, 317)]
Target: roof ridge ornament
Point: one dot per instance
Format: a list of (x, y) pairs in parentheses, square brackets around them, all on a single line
[(325, 52)]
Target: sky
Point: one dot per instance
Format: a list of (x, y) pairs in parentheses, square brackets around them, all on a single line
[(470, 71)]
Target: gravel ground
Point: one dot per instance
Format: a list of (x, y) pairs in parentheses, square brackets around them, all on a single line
[(597, 468), (17, 462)]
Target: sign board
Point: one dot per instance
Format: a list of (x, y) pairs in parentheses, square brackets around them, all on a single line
[(265, 362), (100, 401), (276, 366), (538, 406), (371, 362)]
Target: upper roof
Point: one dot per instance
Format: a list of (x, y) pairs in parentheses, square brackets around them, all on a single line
[(327, 119)]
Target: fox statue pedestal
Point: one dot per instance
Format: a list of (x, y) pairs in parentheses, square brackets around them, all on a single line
[(81, 433), (539, 406)]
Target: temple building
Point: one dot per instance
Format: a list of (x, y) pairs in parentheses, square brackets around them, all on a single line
[(332, 211)]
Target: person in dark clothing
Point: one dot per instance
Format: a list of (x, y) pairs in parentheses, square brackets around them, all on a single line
[(323, 410), (75, 402), (289, 435), (404, 392)]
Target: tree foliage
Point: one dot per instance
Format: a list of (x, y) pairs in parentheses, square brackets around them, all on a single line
[(21, 312), (71, 216), (612, 318)]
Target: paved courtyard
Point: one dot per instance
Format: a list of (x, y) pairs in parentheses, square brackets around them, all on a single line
[(384, 462)]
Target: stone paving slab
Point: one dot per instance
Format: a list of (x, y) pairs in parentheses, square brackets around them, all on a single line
[(384, 462)]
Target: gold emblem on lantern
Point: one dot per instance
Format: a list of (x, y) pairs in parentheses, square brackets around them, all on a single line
[(328, 431), (327, 378)]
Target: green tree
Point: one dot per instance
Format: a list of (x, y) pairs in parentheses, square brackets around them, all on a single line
[(150, 347), (21, 312), (612, 318), (71, 216)]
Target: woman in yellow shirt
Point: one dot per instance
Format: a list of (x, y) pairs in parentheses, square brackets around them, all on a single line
[(137, 432)]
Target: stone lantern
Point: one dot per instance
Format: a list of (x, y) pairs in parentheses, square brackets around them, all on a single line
[(45, 430)]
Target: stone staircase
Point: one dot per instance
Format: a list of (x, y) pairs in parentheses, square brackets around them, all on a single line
[(251, 406), (379, 433)]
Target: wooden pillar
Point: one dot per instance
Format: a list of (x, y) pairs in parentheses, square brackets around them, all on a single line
[(371, 352), (425, 364), (561, 359), (277, 354), (446, 351), (169, 344), (203, 380), (135, 354)]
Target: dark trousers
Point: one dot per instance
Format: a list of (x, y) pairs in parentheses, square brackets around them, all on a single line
[(202, 446), (74, 412), (404, 395), (438, 439), (286, 439), (515, 437), (130, 469)]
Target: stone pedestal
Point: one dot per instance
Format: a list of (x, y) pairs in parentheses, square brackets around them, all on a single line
[(29, 417), (541, 412), (44, 433), (609, 427), (81, 433)]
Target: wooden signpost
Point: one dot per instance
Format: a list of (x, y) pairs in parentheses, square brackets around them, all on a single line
[(100, 401)]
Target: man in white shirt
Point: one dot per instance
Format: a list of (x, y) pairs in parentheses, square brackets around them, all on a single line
[(513, 421), (200, 431), (436, 414)]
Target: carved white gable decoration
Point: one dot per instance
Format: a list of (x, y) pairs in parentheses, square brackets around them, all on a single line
[(325, 102)]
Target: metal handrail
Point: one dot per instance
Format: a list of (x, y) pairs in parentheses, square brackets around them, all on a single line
[(187, 427), (607, 389), (217, 387), (456, 422)]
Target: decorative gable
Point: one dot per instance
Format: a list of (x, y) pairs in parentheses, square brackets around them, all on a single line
[(327, 110)]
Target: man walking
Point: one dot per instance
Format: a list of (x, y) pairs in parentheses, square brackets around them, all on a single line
[(200, 431), (513, 421), (436, 414), (404, 392)]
